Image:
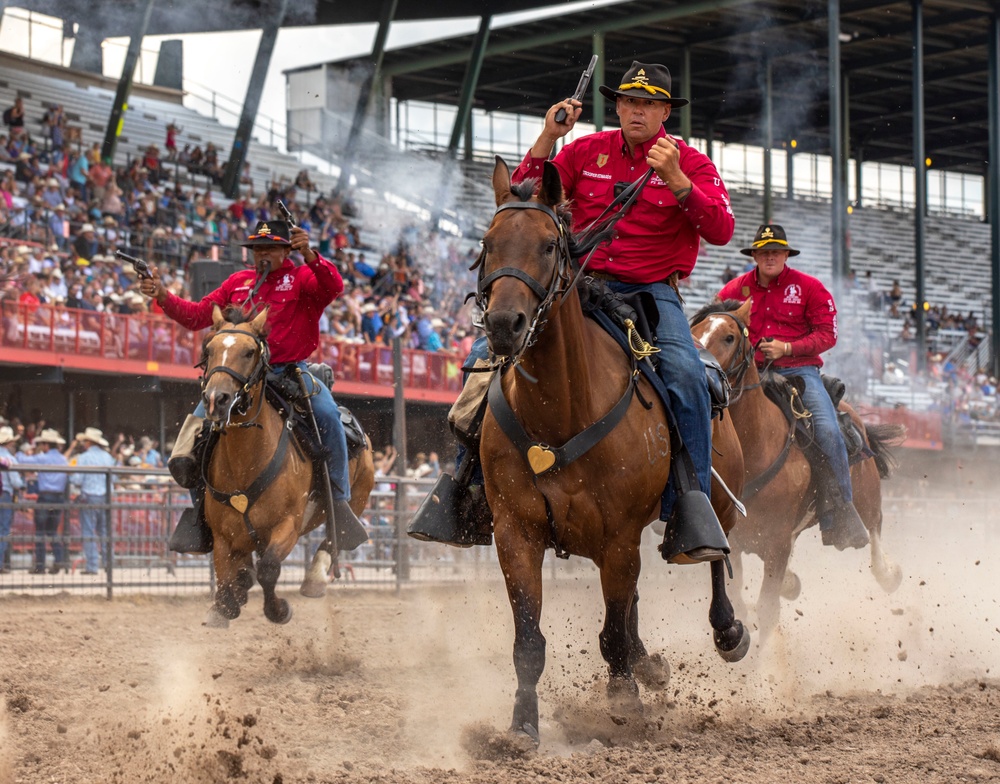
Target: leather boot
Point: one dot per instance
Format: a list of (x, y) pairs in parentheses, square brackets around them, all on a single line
[(453, 513), (351, 532), (192, 534), (839, 523)]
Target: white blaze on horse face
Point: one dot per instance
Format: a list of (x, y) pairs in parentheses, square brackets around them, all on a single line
[(229, 341), (715, 323)]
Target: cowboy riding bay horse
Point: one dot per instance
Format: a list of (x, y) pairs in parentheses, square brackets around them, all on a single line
[(778, 491), (260, 480), (561, 376)]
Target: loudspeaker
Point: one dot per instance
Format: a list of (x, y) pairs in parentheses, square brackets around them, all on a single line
[(207, 275)]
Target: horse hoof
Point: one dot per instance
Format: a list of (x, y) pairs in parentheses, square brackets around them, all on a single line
[(734, 643), (791, 586), (623, 699), (216, 620), (280, 613), (653, 672), (313, 589), (525, 738), (890, 579)]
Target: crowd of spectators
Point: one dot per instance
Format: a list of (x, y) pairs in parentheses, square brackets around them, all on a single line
[(64, 212)]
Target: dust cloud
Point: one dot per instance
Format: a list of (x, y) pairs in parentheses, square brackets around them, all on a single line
[(370, 685)]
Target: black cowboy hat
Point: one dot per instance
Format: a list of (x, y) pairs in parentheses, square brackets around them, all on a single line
[(269, 232), (645, 80), (770, 235)]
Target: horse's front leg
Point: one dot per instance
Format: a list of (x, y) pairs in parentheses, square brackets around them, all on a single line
[(653, 672), (771, 587), (732, 640), (226, 606), (619, 575), (521, 562), (282, 540)]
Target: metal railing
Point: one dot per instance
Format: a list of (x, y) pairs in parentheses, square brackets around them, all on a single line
[(150, 337), (143, 508)]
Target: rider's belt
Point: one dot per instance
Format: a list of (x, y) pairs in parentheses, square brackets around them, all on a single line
[(670, 280)]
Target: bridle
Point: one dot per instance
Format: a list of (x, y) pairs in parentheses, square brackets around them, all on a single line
[(741, 360), (258, 372), (557, 286)]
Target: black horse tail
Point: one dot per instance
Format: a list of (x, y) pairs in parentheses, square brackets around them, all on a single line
[(880, 439)]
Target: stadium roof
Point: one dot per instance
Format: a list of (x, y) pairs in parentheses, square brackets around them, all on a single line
[(531, 64)]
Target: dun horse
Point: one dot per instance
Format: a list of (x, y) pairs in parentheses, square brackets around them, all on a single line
[(262, 517), (779, 510), (564, 373)]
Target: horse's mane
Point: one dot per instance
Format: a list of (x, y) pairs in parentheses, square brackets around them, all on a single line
[(718, 306)]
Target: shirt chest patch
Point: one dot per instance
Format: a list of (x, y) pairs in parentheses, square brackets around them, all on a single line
[(793, 294), (286, 283), (596, 175)]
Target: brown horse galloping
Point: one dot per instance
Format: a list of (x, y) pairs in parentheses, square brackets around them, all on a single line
[(252, 443), (567, 374), (781, 509)]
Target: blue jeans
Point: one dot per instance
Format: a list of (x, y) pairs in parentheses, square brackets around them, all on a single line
[(682, 372), (826, 428), (94, 527), (6, 518), (47, 522), (331, 431)]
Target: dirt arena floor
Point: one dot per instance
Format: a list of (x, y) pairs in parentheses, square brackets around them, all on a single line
[(371, 686)]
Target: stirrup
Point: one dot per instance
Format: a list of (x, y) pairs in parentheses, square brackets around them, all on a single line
[(351, 532), (453, 514), (192, 534), (694, 533)]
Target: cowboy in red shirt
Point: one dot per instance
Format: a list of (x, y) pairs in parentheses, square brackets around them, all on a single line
[(295, 298), (654, 245), (793, 320)]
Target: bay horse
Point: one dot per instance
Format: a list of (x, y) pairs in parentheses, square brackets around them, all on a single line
[(781, 508), (568, 373), (254, 440)]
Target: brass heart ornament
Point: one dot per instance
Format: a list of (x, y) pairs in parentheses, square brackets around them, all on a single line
[(540, 459), (239, 502)]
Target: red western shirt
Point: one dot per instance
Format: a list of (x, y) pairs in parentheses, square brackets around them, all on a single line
[(295, 297), (658, 236), (795, 308)]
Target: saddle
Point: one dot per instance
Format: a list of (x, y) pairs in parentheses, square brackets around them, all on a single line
[(640, 309), (786, 394), (283, 392)]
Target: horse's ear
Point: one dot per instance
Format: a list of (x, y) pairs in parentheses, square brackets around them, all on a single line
[(259, 323), (217, 318), (744, 310), (501, 181), (551, 192)]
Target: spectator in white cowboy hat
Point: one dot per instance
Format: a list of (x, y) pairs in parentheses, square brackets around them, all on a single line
[(10, 483), (52, 487), (85, 245), (93, 496)]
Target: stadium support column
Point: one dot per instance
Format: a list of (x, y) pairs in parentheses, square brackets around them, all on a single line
[(462, 116), (838, 234), (365, 94), (597, 81), (768, 142), (117, 118), (238, 153), (920, 181), (469, 85), (993, 185)]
